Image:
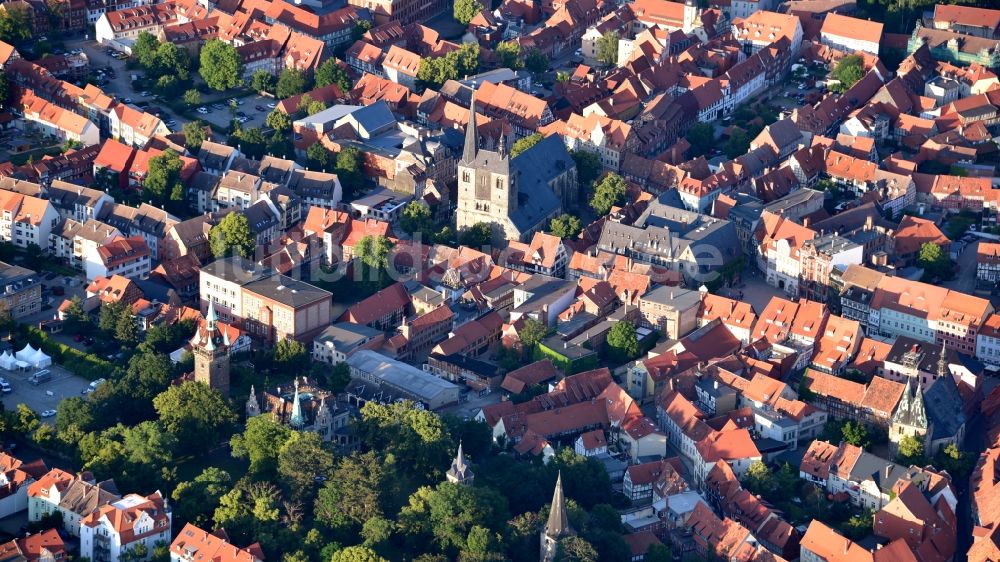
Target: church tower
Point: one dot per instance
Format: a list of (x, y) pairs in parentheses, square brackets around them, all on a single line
[(943, 369), (211, 354), (487, 188), (910, 419), (557, 526), (460, 473)]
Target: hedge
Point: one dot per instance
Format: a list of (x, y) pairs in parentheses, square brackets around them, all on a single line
[(86, 365)]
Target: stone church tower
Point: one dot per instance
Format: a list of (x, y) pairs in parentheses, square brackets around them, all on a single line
[(487, 187), (211, 354), (557, 527)]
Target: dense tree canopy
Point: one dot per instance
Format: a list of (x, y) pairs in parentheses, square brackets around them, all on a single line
[(608, 193), (232, 236), (221, 66)]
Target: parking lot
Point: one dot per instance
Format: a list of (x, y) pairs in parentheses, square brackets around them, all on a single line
[(45, 396), (120, 86)]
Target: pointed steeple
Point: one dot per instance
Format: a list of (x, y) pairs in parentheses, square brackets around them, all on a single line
[(460, 473), (471, 134), (942, 366), (211, 319), (558, 524), (252, 406), (296, 420)]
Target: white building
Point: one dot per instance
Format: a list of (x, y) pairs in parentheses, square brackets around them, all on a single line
[(849, 34), (121, 526), (26, 220)]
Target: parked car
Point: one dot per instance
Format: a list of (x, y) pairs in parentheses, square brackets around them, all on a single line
[(260, 108), (48, 413), (272, 105), (202, 110), (5, 386)]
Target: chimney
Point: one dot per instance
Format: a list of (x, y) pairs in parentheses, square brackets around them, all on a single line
[(805, 222), (888, 470)]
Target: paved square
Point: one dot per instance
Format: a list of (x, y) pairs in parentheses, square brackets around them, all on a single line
[(45, 396)]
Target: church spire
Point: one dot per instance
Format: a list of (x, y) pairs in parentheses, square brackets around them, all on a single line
[(471, 134), (558, 524), (942, 366), (296, 420), (460, 473), (211, 319)]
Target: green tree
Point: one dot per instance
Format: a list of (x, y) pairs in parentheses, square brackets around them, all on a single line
[(76, 319), (109, 314), (623, 343), (221, 66), (738, 143), (565, 226), (446, 514), (849, 71), (536, 61), (758, 478), (262, 81), (911, 450), (607, 48), (373, 252), (260, 442), (856, 433), (291, 82), (168, 86), (304, 460), (437, 70), (465, 10), (192, 97), (330, 72), (232, 236), (588, 167), (575, 549), (279, 121), (15, 24), (417, 439), (163, 178), (509, 55), (935, 262), (523, 144), (701, 136), (314, 107), (356, 554), (858, 526), (416, 218), (251, 141), (608, 193), (194, 135), (478, 235), (958, 463), (172, 60), (195, 500), (532, 332), (144, 49), (126, 329), (290, 355), (194, 413), (318, 157), (349, 169), (338, 377), (361, 488), (562, 76)]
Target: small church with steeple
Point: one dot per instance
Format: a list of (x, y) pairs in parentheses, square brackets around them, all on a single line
[(460, 473), (517, 196), (557, 527)]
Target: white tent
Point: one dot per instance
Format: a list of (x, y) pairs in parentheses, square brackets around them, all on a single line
[(26, 354), (39, 360), (7, 361)]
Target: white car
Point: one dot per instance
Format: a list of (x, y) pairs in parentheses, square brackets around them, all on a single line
[(202, 110), (272, 105), (48, 413)]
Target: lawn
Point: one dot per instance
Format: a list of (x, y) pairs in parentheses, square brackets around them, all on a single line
[(190, 466)]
